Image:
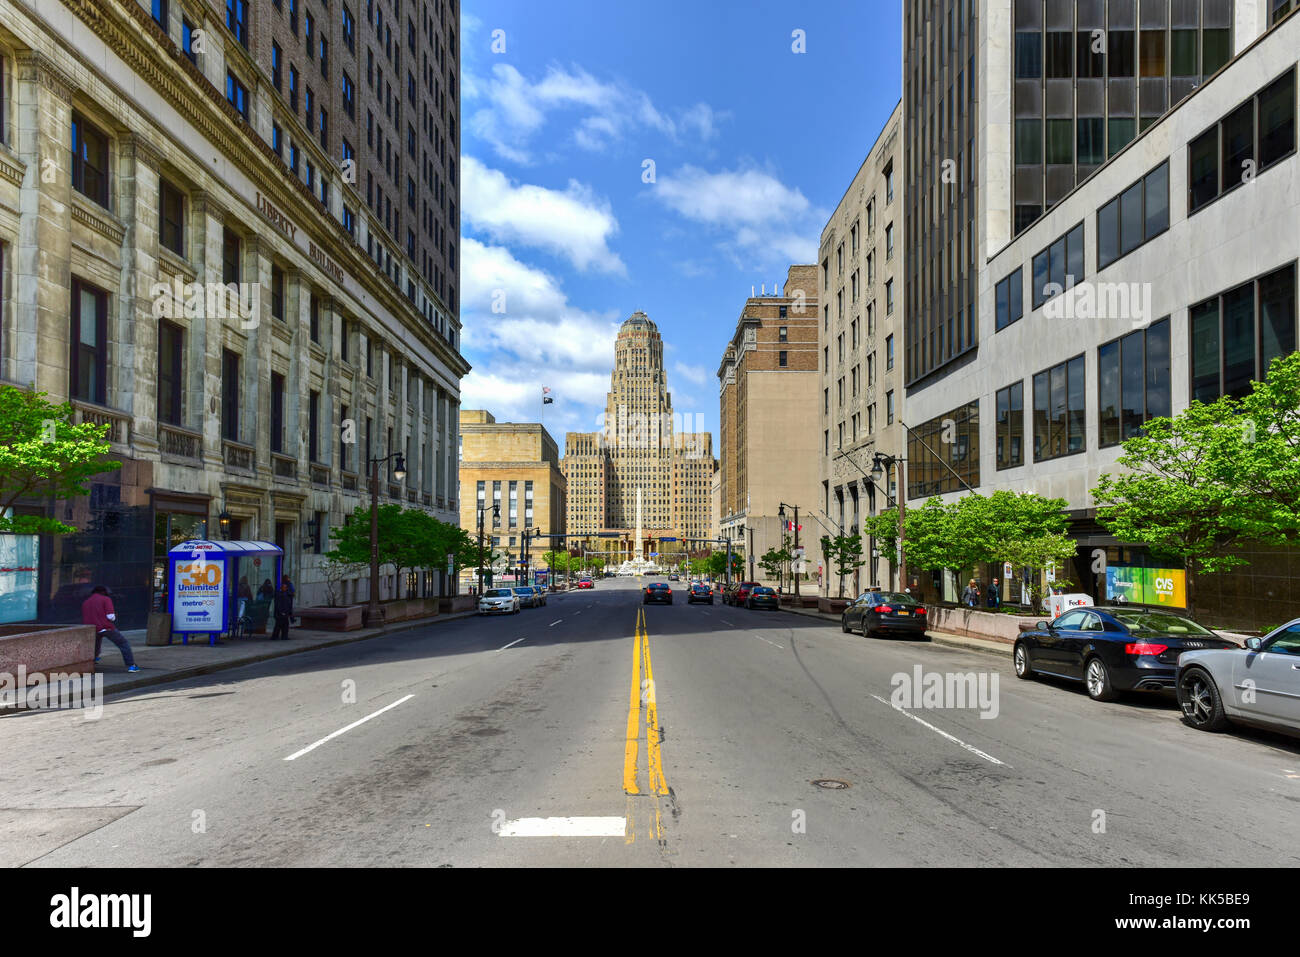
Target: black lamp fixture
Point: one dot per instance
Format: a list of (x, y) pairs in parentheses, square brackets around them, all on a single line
[(313, 532), (399, 468), (223, 521)]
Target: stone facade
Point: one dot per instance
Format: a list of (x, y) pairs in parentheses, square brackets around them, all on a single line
[(263, 404)]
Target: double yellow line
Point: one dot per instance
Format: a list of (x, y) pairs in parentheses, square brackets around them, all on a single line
[(643, 701)]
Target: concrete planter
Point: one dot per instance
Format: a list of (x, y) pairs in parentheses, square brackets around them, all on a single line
[(993, 626), (346, 618), (456, 603), (47, 649), (832, 606)]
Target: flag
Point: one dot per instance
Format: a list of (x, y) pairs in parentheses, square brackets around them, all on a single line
[(547, 398)]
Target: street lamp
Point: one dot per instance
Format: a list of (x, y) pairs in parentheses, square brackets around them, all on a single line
[(878, 463), (224, 520), (399, 473), (781, 514), (496, 523)]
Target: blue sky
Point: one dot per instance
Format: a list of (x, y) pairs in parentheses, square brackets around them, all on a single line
[(753, 145)]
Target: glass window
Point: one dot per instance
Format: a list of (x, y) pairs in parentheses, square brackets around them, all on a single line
[(89, 335), (1091, 135), (1203, 175), (1153, 53), (1132, 383), (1091, 60), (1029, 142), (1029, 55), (1237, 141), (1060, 142), (89, 160), (1156, 195), (170, 338), (171, 217), (1121, 49), (1217, 51), (1122, 132), (1074, 256), (1130, 219), (1158, 401), (1060, 54), (1059, 410), (1010, 426), (1277, 112), (1108, 393), (1205, 351), (1239, 340), (1183, 53)]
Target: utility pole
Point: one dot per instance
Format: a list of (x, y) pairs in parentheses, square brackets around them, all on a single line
[(399, 473), (496, 520)]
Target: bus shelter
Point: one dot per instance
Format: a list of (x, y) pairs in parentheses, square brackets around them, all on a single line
[(207, 579)]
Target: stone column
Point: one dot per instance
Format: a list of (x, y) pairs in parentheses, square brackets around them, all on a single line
[(138, 194), (42, 120), (297, 311), (203, 348)]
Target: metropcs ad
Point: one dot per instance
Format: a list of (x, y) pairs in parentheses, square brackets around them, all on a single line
[(75, 910), (941, 691)]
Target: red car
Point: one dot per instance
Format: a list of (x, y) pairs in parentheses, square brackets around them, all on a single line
[(586, 583), (739, 593)]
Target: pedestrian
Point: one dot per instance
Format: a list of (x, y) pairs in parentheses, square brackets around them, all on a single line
[(971, 596), (995, 595), (286, 580), (283, 611), (245, 590), (266, 592), (98, 610)]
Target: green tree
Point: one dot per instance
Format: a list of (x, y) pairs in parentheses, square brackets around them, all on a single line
[(773, 561), (1266, 465), (883, 527), (844, 552), (1051, 550), (43, 454)]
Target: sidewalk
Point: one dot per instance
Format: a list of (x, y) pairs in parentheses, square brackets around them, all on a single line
[(1000, 648), (163, 663)]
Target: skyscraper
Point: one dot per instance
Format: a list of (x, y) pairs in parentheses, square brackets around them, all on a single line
[(640, 471)]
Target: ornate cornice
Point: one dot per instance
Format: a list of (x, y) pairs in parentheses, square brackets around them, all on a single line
[(136, 148), (99, 222), (33, 65)]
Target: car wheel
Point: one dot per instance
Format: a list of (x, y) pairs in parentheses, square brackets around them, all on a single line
[(1021, 658), (866, 632), (844, 624), (1097, 680), (1201, 702)]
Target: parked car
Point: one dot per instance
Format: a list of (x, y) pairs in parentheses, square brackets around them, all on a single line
[(657, 591), (527, 597), (540, 592), (498, 601), (876, 613), (699, 592), (738, 594), (586, 583), (763, 597), (1112, 649), (1212, 685)]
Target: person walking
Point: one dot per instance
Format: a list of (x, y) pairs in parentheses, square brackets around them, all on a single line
[(971, 596), (283, 611), (266, 592), (995, 595), (97, 610)]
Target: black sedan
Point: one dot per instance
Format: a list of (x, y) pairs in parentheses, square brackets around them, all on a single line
[(657, 591), (699, 592), (1112, 649), (763, 597), (877, 613)]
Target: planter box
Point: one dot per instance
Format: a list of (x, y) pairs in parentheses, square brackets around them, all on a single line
[(992, 626), (47, 649), (833, 606), (346, 618), (455, 603)]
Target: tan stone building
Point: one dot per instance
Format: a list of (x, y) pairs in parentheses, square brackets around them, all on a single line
[(187, 256), (860, 353), (516, 466), (769, 388), (643, 455)]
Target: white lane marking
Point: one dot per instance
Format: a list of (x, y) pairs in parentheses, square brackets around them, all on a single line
[(512, 644), (564, 827), (577, 613), (330, 737), (772, 643), (707, 613), (942, 733), (554, 623)]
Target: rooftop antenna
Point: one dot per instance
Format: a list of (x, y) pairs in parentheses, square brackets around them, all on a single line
[(763, 289), (751, 292)]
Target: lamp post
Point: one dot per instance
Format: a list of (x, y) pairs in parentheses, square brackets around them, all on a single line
[(496, 520), (781, 514), (399, 473), (877, 471)]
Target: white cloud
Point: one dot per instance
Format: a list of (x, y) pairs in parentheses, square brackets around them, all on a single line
[(514, 108), (574, 224), (697, 374), (760, 215)]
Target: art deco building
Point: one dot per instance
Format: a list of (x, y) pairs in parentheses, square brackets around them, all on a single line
[(768, 386), (641, 470), (301, 156)]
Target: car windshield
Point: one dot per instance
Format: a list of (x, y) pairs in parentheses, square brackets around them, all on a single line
[(887, 597), (497, 593), (1158, 623), (762, 591), (699, 588), (658, 586), (522, 591)]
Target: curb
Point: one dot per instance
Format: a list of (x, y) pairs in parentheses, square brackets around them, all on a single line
[(986, 645), (200, 670)]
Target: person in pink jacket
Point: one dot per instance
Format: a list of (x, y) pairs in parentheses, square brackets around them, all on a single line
[(98, 610)]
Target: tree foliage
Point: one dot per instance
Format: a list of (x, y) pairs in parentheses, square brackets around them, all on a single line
[(844, 552), (43, 453)]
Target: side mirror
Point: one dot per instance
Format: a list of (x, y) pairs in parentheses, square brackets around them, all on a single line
[(1254, 643), (1043, 626)]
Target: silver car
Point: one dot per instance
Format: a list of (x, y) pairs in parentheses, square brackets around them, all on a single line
[(1258, 684), (498, 601), (527, 597), (540, 592)]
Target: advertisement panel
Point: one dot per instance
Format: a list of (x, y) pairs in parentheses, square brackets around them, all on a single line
[(1147, 586), (197, 593), (18, 564)]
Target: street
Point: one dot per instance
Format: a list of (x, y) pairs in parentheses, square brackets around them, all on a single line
[(494, 741)]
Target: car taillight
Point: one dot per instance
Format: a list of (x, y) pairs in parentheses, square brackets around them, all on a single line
[(1144, 648), (921, 610), (882, 609)]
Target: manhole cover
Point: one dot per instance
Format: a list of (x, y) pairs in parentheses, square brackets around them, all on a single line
[(831, 784)]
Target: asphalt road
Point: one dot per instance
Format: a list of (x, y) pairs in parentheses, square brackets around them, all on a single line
[(718, 720)]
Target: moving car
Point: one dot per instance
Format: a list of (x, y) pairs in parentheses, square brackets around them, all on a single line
[(657, 591), (674, 578), (527, 597), (763, 597), (1257, 685), (498, 601), (738, 594), (876, 613), (586, 583), (1112, 649), (699, 592)]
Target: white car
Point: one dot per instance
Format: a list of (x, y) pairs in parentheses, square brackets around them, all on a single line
[(499, 601), (1258, 684)]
